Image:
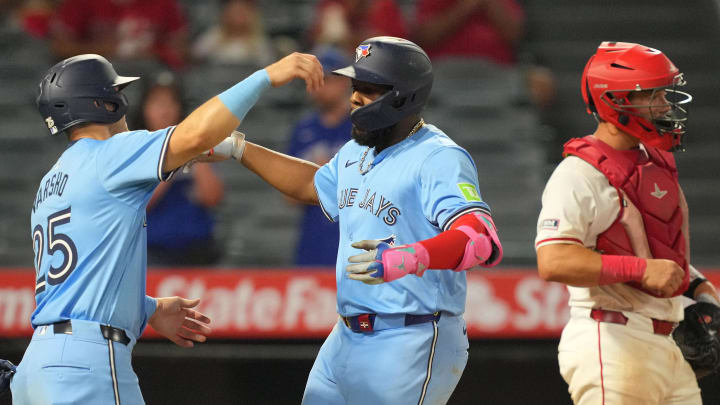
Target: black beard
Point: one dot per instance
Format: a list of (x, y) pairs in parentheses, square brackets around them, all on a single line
[(378, 139)]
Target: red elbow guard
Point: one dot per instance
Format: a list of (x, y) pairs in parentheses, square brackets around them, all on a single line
[(484, 248), (470, 238)]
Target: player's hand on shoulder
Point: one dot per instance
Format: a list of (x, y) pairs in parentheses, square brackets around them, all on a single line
[(175, 319), (663, 277), (297, 66)]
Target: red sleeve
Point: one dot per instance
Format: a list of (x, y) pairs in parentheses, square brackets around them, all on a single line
[(71, 17), (447, 249)]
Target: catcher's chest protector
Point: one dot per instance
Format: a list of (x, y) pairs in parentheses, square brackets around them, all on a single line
[(652, 187)]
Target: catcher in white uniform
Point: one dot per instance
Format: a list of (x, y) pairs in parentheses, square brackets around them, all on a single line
[(614, 229)]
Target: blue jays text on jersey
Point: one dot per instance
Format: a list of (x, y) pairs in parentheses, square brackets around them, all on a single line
[(414, 190), (383, 206)]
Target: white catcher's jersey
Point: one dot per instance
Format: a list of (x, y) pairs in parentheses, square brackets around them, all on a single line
[(579, 204)]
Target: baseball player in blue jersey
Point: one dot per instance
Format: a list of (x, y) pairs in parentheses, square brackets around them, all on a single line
[(88, 229), (411, 220)]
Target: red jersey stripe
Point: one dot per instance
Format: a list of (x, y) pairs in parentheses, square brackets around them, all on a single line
[(552, 239)]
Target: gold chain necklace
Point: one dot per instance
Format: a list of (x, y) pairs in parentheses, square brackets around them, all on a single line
[(369, 166)]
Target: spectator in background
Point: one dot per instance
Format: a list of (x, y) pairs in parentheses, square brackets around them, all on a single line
[(33, 16), (121, 29), (239, 38), (488, 29), (317, 137), (179, 219), (345, 23)]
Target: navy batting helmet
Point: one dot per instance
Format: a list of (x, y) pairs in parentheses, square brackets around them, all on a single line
[(394, 62), (77, 90)]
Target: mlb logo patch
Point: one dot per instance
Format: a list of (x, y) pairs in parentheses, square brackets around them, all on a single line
[(551, 224), (362, 51)]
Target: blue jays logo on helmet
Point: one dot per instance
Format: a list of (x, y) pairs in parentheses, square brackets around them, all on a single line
[(362, 51), (394, 62)]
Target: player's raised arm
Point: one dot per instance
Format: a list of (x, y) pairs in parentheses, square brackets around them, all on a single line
[(210, 123), (291, 176)]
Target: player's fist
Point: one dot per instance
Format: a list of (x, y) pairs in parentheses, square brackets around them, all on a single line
[(297, 66), (662, 277)]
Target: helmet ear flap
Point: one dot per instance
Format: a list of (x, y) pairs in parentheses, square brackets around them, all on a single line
[(587, 95), (590, 101), (590, 104)]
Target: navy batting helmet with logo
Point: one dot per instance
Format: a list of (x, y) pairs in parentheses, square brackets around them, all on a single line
[(82, 89), (394, 62)]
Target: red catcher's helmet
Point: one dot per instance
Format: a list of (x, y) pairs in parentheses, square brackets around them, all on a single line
[(618, 69)]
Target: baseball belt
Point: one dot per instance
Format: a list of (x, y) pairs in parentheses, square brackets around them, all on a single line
[(365, 323), (108, 332), (660, 327)]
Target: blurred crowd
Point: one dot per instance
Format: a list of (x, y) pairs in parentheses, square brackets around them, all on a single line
[(162, 30), (181, 212)]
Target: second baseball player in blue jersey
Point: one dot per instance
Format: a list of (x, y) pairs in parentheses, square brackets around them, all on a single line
[(88, 230), (111, 180), (411, 221), (102, 187)]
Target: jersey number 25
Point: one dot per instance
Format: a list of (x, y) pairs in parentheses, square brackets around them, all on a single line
[(55, 242)]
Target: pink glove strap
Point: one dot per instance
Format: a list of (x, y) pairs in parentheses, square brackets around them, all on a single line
[(403, 260), (477, 250), (621, 269), (492, 231)]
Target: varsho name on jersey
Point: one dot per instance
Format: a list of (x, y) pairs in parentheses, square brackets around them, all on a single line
[(54, 185), (382, 206)]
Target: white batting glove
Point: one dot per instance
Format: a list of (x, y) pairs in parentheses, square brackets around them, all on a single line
[(231, 147)]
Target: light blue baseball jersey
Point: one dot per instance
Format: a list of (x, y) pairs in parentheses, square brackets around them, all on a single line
[(414, 190), (89, 232)]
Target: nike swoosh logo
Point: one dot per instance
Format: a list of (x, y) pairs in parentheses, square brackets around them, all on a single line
[(349, 163)]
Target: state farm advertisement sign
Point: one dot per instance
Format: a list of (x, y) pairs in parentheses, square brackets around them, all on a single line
[(263, 303)]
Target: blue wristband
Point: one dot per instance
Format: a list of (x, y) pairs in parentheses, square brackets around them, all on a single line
[(240, 98)]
